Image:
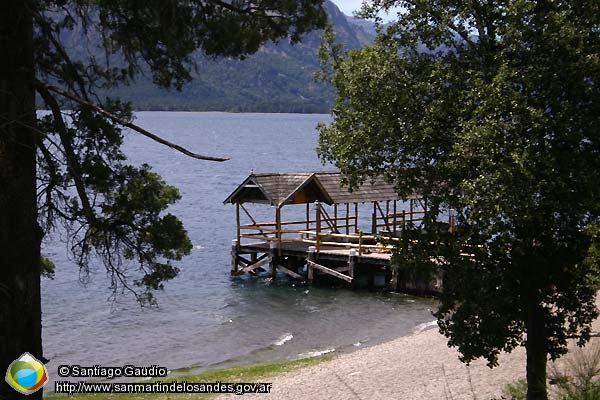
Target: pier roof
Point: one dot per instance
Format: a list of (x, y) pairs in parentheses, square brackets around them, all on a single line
[(279, 189)]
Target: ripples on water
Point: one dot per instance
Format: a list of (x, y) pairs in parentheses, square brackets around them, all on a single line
[(205, 318)]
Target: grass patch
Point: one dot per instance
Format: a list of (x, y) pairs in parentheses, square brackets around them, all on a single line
[(245, 373), (578, 379), (516, 390)]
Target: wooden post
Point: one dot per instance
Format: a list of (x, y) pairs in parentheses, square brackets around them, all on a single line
[(351, 266), (318, 222), (395, 216), (307, 219), (374, 219), (237, 219), (388, 276), (311, 257), (347, 219), (360, 241), (394, 280), (355, 217), (278, 228), (273, 258), (234, 255), (335, 217)]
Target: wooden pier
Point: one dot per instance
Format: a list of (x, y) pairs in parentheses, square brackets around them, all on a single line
[(325, 245)]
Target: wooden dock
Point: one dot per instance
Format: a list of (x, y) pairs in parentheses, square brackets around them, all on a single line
[(326, 246)]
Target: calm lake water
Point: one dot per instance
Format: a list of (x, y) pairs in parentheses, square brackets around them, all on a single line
[(205, 318)]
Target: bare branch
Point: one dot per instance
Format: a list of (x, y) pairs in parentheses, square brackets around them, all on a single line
[(129, 125)]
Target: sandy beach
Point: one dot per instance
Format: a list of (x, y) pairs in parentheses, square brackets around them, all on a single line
[(419, 366)]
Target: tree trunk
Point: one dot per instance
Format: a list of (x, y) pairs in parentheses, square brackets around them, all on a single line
[(20, 304), (537, 353)]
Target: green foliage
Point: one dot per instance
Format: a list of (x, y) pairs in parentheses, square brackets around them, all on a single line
[(516, 390), (491, 110), (577, 379), (113, 211), (47, 268)]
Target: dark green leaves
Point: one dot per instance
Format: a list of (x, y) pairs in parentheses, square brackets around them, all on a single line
[(112, 211), (490, 109)]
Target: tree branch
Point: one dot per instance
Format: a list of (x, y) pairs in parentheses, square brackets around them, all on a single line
[(71, 156), (47, 30), (127, 124), (464, 36)]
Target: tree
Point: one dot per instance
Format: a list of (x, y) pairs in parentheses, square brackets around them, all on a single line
[(65, 167), (491, 110)]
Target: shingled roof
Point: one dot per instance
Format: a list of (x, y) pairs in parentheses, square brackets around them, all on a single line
[(279, 189)]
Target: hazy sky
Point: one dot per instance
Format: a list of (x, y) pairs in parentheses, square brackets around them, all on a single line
[(348, 6)]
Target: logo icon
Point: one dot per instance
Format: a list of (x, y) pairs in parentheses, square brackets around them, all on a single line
[(26, 374)]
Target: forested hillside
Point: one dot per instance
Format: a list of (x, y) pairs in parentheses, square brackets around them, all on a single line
[(278, 78)]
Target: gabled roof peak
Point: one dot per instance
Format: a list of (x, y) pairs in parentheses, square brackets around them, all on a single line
[(281, 188)]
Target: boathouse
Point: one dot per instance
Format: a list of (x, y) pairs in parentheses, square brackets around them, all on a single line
[(323, 242)]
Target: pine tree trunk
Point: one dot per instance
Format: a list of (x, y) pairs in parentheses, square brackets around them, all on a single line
[(20, 304), (537, 353)]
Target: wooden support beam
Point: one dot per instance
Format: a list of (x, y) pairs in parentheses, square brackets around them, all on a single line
[(394, 280), (335, 217), (318, 222), (237, 220), (309, 261), (395, 216), (253, 258), (374, 219), (360, 243), (307, 219), (352, 259), (278, 229), (243, 260), (254, 266), (273, 258), (347, 219), (290, 272), (329, 271), (234, 257), (251, 218)]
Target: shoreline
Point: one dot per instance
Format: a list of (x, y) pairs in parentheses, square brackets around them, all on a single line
[(417, 366)]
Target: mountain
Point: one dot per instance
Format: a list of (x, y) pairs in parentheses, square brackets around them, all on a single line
[(278, 78)]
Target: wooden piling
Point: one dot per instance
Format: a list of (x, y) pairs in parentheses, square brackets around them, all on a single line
[(234, 257), (394, 279), (311, 257), (273, 258), (352, 260)]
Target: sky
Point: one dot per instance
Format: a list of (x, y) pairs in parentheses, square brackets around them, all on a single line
[(348, 6)]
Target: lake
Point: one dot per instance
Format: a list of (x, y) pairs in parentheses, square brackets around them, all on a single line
[(205, 318)]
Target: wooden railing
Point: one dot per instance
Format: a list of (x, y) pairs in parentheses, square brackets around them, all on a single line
[(266, 232), (325, 229), (395, 222)]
